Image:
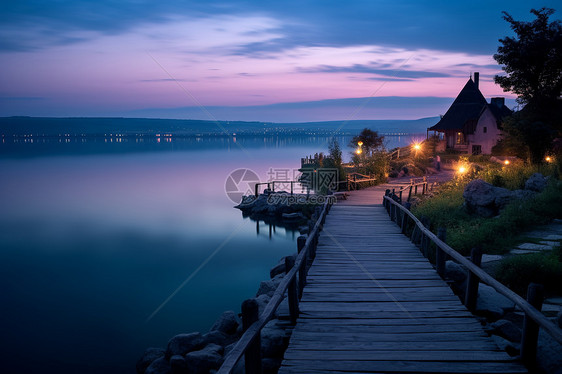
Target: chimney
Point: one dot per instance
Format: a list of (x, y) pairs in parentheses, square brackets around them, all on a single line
[(476, 78), (498, 101)]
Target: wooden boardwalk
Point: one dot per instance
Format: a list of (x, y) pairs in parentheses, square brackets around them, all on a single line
[(374, 304)]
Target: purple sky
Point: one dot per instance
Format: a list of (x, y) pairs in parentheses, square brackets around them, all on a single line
[(248, 60)]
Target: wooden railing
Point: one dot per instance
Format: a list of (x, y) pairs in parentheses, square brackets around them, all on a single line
[(249, 344), (354, 180), (413, 187), (422, 237), (271, 186)]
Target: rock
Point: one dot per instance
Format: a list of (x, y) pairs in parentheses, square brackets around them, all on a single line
[(491, 258), (184, 343), (227, 323), (492, 304), (549, 354), (159, 366), (273, 340), (219, 338), (277, 269), (148, 357), (455, 271), (178, 364), (536, 182), (278, 279), (511, 348), (270, 365), (484, 199), (523, 194), (262, 301), (266, 288), (201, 361), (507, 329)]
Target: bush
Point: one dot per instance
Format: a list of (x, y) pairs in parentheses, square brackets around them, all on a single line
[(544, 268), (494, 235)]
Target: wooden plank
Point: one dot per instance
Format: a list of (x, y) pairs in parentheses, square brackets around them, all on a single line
[(373, 303)]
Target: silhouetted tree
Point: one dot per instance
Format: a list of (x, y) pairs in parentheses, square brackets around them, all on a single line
[(532, 62), (372, 141)]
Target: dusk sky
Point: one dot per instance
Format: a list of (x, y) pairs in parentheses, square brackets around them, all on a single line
[(248, 60)]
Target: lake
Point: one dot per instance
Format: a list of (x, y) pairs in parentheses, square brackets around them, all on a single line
[(112, 245)]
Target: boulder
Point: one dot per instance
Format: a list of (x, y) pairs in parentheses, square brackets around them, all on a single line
[(148, 357), (227, 323), (273, 340), (159, 366), (219, 338), (536, 182), (484, 199), (523, 194), (204, 360), (511, 348), (178, 364), (184, 343), (491, 304), (266, 288), (277, 279), (549, 354), (278, 269), (507, 329), (455, 271), (262, 301)]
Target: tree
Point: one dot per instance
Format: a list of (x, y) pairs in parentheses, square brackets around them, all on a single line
[(532, 61), (371, 141)]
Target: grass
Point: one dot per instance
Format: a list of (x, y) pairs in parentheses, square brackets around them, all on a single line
[(544, 268), (498, 234)]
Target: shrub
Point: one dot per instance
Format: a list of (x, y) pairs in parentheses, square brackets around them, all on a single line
[(544, 268)]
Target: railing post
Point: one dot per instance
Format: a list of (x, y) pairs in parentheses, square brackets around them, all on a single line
[(410, 193), (256, 189), (530, 335), (401, 196), (439, 254), (250, 314), (471, 294), (292, 188), (416, 189), (292, 293), (301, 241), (404, 219)]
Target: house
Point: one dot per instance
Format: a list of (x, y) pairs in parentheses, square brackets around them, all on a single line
[(471, 125)]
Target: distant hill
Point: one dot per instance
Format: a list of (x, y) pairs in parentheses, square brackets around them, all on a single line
[(47, 126)]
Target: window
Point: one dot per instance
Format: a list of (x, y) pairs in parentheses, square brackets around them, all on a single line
[(460, 138), (476, 150), (485, 129)]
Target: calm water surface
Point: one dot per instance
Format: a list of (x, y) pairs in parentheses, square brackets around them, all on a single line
[(97, 237)]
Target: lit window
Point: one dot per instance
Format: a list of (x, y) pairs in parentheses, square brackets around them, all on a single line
[(460, 138)]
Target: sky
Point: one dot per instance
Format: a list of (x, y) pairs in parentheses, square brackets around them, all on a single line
[(280, 61)]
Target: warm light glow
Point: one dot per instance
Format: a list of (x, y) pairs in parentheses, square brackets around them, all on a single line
[(417, 146), (462, 169), (359, 143), (548, 159), (359, 151), (506, 162)]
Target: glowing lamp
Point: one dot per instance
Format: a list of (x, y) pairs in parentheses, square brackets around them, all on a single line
[(506, 162), (548, 159), (417, 146), (462, 169), (359, 143), (359, 151)]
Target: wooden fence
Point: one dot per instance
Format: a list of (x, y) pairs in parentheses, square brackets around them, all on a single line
[(423, 237), (294, 281)]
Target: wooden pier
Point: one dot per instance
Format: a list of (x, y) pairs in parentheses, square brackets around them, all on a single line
[(374, 304)]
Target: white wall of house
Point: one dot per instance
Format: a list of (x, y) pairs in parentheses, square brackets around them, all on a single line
[(486, 134)]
